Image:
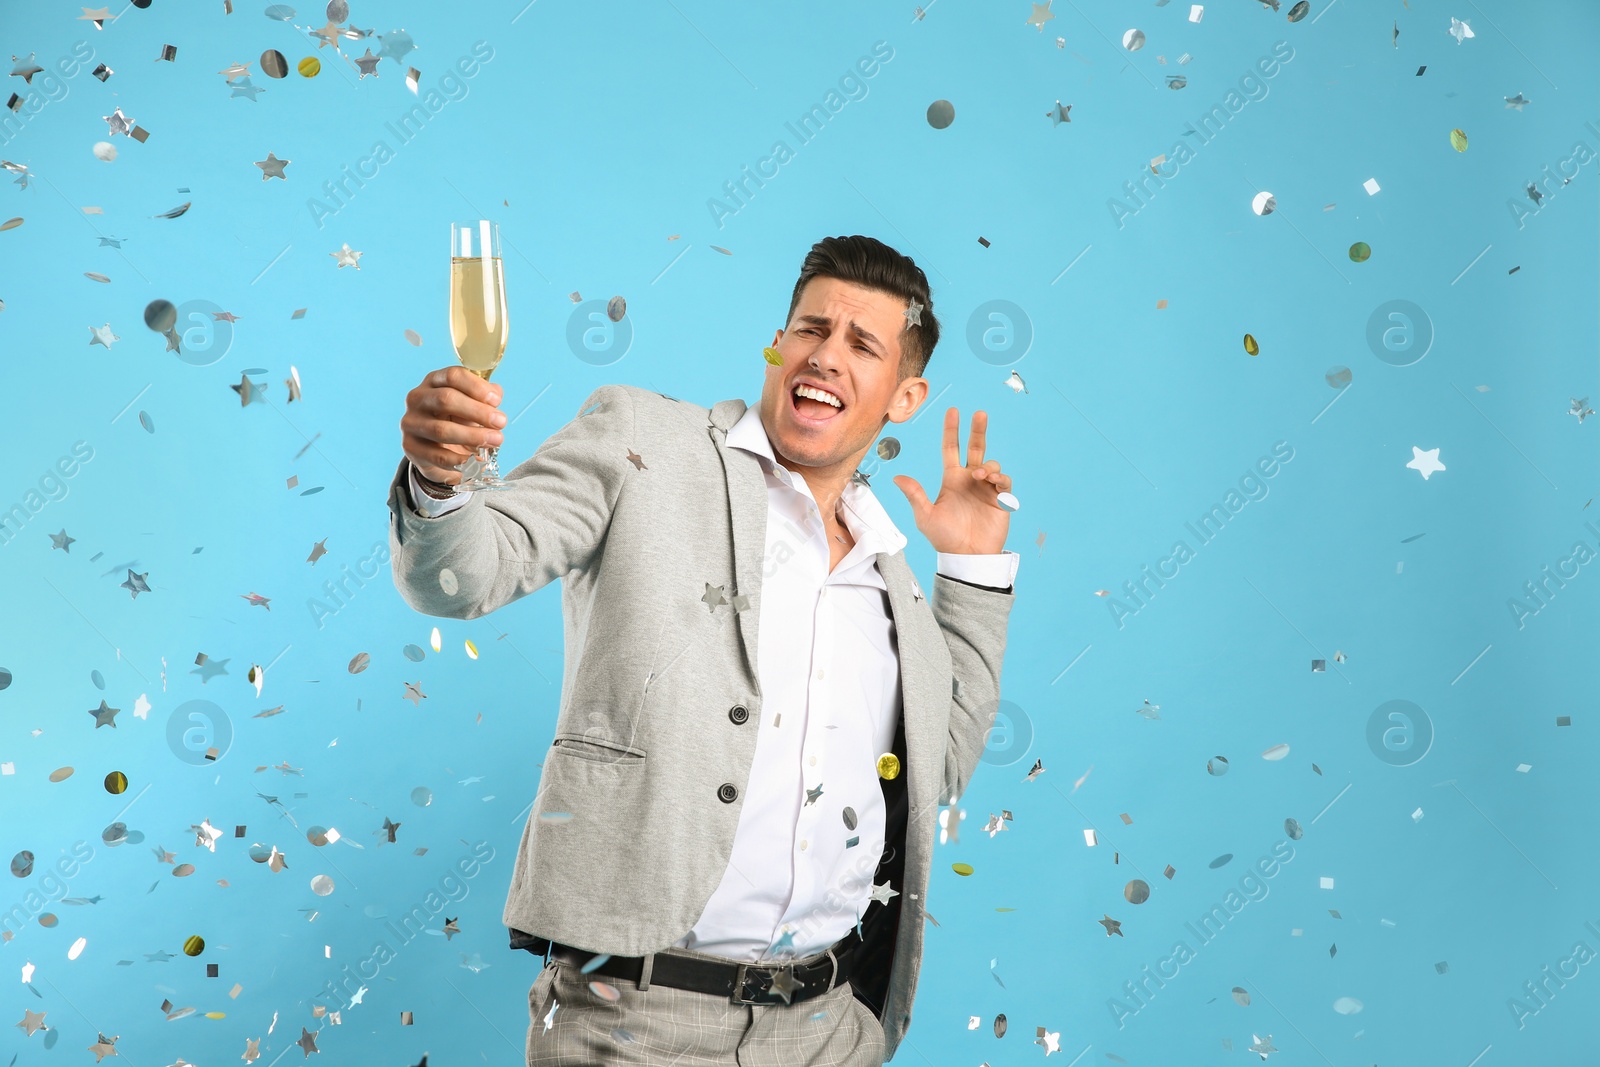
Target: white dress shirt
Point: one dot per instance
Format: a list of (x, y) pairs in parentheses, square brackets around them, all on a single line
[(799, 876)]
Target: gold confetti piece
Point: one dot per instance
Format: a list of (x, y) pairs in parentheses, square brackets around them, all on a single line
[(309, 67), (962, 869), (433, 639), (1360, 252), (183, 870), (116, 782), (194, 945), (11, 224), (1250, 345), (1458, 140), (1160, 305), (888, 766), (214, 1015), (472, 649), (773, 356)]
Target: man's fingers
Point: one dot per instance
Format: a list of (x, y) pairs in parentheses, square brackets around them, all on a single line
[(980, 422), (952, 449)]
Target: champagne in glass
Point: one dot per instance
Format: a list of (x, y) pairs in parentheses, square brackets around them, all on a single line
[(478, 325)]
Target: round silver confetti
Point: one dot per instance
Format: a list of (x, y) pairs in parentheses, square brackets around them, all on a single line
[(1347, 1005), (1222, 860), (281, 12), (5, 678), (447, 581), (1177, 81), (1293, 829), (616, 307), (941, 113), (273, 65), (1000, 1025), (422, 796), (1263, 203), (414, 653), (105, 151), (22, 864), (160, 315), (888, 448), (98, 679), (260, 853), (1338, 377), (317, 835), (338, 11), (1217, 766), (1133, 40), (850, 818), (1241, 996), (358, 662), (414, 337), (1299, 11), (622, 1037), (1276, 752), (115, 834), (1007, 501), (322, 885), (183, 870), (147, 422), (1136, 892)]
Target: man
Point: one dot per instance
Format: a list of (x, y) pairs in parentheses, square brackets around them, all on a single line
[(728, 855)]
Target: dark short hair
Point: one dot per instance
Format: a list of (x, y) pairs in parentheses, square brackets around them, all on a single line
[(870, 263)]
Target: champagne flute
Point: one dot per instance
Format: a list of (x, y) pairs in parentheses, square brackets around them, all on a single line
[(478, 326)]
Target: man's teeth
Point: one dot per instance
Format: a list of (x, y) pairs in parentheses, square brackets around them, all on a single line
[(816, 394)]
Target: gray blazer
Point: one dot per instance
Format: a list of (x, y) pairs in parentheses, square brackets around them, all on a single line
[(660, 557)]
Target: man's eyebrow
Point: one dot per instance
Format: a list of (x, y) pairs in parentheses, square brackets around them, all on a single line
[(823, 320)]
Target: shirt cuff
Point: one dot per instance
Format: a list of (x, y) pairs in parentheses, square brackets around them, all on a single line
[(997, 570), (427, 506)]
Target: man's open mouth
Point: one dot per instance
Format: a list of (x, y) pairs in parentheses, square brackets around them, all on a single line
[(810, 409)]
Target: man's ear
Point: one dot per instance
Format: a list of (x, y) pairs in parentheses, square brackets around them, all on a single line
[(776, 337)]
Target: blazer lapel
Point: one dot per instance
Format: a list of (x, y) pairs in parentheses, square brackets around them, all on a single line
[(747, 508), (918, 693)]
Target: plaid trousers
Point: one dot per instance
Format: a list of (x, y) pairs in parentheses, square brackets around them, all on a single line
[(665, 1027)]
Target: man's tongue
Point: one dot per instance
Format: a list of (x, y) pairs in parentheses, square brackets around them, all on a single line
[(813, 409)]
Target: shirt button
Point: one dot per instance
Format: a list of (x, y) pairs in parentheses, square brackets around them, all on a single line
[(819, 673), (813, 761), (728, 793), (739, 714), (802, 844)]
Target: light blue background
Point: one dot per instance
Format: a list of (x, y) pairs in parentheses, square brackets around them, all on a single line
[(593, 134)]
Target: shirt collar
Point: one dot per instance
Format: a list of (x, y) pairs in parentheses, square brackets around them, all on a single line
[(864, 516)]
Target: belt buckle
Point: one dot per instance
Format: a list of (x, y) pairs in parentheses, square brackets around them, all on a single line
[(739, 980)]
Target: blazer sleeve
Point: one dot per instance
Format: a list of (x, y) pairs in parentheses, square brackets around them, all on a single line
[(504, 544), (973, 619)]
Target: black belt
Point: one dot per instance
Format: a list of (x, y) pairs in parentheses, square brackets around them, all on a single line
[(743, 983)]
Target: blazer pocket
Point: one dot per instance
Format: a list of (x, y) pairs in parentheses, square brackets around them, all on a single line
[(596, 749)]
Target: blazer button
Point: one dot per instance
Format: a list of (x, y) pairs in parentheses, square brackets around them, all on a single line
[(738, 714), (728, 793)]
